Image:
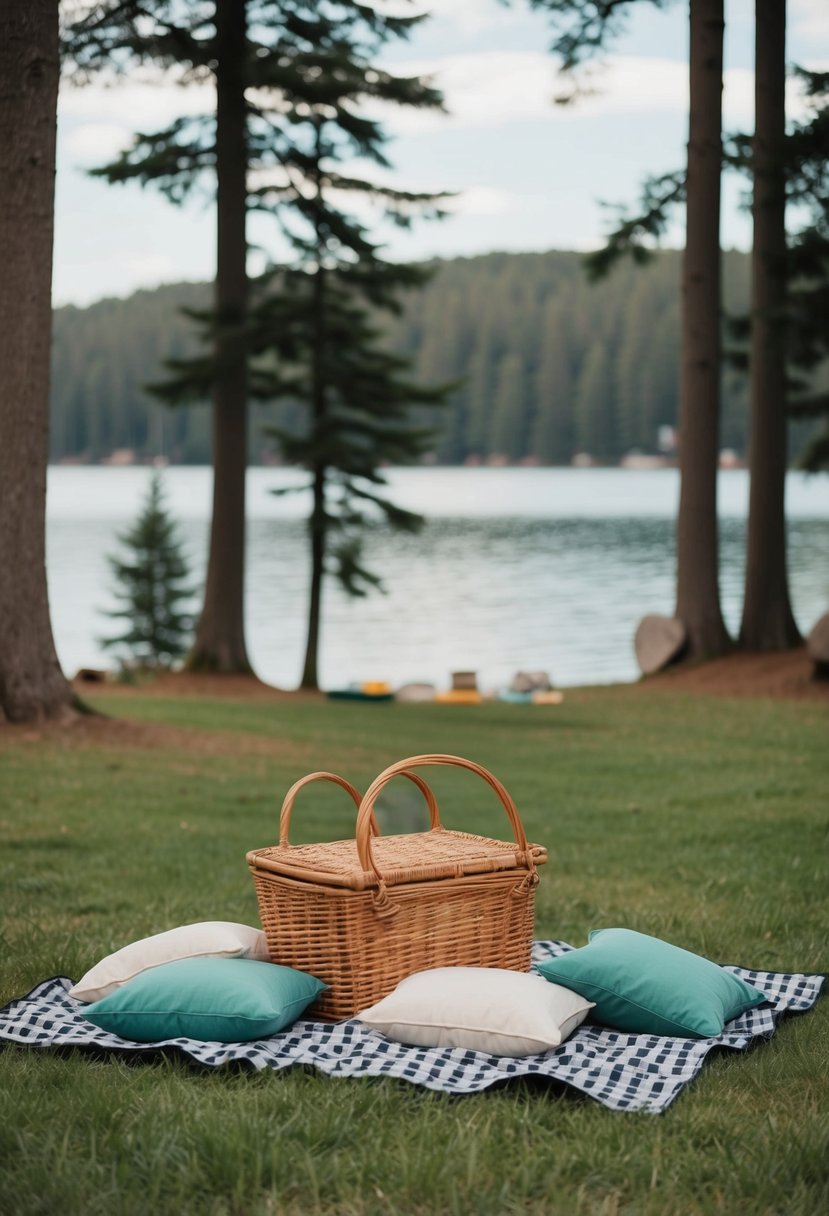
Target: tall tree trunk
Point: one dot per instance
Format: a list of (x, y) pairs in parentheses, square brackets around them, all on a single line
[(32, 685), (317, 530), (697, 597), (318, 523), (220, 635), (768, 623)]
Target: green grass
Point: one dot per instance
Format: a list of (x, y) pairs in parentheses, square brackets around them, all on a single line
[(701, 820)]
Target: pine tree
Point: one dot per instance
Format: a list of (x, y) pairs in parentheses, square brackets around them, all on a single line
[(767, 621), (659, 385), (506, 437), (583, 28), (446, 348), (480, 384), (807, 189), (32, 684), (790, 296), (551, 435), (559, 318), (199, 41), (153, 586), (256, 53), (313, 333), (594, 404)]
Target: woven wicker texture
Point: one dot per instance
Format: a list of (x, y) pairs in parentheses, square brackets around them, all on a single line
[(362, 914)]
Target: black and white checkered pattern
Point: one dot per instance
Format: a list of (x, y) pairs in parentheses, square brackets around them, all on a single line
[(622, 1071)]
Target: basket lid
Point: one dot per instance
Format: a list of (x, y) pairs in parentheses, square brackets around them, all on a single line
[(414, 857)]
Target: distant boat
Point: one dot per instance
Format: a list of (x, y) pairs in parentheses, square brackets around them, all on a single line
[(645, 460), (371, 690), (515, 698), (459, 696), (549, 696)]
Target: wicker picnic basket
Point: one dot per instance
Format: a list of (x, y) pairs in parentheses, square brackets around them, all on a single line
[(363, 914)]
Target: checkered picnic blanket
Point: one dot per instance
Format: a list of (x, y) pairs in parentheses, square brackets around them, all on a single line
[(623, 1071)]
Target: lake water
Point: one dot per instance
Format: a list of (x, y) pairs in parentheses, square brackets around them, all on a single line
[(546, 569)]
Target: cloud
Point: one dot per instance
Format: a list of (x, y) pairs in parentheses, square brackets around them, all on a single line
[(96, 143), (481, 90), (97, 121), (489, 89), (84, 277), (807, 19), (465, 17), (495, 88), (139, 105), (471, 16), (149, 269), (483, 200)]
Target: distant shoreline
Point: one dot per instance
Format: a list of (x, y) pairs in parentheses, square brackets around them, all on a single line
[(638, 462)]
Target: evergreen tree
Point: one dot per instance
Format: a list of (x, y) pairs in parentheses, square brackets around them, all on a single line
[(312, 333), (767, 620), (480, 385), (659, 383), (32, 685), (632, 370), (446, 347), (697, 540), (256, 53), (153, 586), (200, 41), (583, 28), (551, 434), (505, 436), (594, 404), (807, 334), (790, 292), (559, 317)]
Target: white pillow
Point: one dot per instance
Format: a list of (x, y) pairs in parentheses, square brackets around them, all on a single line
[(504, 1013), (206, 939)]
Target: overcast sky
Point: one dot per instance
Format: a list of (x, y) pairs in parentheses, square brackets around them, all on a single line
[(530, 175)]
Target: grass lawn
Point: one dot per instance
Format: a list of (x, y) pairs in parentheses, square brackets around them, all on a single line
[(702, 820)]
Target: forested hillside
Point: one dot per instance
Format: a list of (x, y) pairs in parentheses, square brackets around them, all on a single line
[(550, 364)]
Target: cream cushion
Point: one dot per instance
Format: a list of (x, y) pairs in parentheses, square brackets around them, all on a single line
[(503, 1013), (205, 939)]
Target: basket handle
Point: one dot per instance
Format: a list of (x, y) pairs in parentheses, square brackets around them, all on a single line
[(288, 802), (373, 829), (365, 813)]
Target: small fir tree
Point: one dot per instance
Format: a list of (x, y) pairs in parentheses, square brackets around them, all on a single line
[(152, 587)]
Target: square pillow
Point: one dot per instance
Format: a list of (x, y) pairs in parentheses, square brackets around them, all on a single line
[(504, 1013), (205, 939), (218, 1000), (646, 986)]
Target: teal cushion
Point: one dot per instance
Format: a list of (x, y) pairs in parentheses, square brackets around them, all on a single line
[(647, 986), (220, 1000)]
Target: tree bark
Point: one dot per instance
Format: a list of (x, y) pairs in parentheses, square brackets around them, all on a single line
[(32, 685), (698, 598), (220, 634), (318, 523), (317, 529), (767, 622)]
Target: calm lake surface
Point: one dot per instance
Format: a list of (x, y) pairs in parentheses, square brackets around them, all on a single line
[(515, 568)]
